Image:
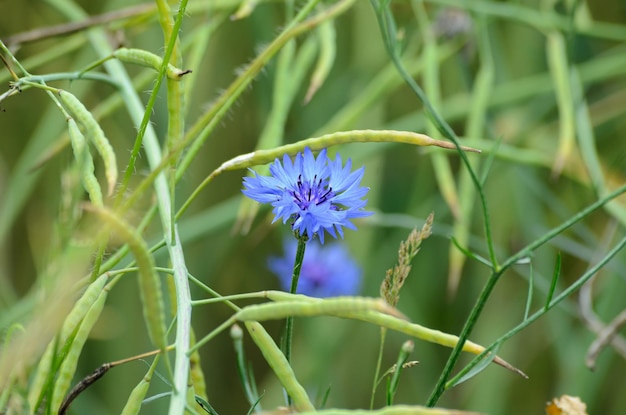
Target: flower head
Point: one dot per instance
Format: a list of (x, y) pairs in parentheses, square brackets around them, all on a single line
[(314, 194), (327, 270)]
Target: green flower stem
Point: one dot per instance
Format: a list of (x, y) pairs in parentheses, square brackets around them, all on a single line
[(297, 267), (379, 362)]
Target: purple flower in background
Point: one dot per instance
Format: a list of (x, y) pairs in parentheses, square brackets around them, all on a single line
[(314, 194), (327, 270)]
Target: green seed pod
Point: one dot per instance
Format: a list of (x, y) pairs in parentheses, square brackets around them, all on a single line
[(150, 60), (68, 367), (81, 308), (133, 404), (138, 394), (149, 282), (328, 50), (37, 386), (94, 133), (319, 307), (85, 163), (196, 375), (279, 364)]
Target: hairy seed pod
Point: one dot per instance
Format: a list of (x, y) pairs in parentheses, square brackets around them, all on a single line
[(85, 163), (94, 133), (68, 367), (149, 282), (150, 60)]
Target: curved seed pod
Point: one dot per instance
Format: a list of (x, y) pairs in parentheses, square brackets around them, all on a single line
[(328, 50), (318, 307), (85, 163), (279, 364), (149, 282), (68, 367), (94, 133), (150, 60)]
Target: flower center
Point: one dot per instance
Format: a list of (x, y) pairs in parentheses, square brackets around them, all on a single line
[(315, 192)]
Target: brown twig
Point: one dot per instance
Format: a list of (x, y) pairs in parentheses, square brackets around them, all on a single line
[(605, 337), (72, 27), (97, 374)]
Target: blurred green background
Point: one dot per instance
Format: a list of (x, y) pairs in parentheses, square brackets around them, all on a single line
[(526, 191)]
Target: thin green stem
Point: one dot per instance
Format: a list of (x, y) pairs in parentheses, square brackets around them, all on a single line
[(379, 362), (297, 267), (543, 310), (494, 277)]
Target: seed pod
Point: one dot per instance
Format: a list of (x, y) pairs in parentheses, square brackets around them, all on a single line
[(279, 364), (150, 60), (37, 386), (318, 307), (81, 308), (195, 371), (328, 50), (133, 404), (68, 367), (85, 163), (94, 133), (149, 282), (342, 137), (70, 325)]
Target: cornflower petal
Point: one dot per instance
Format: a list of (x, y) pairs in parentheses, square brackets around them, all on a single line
[(327, 270), (314, 194)]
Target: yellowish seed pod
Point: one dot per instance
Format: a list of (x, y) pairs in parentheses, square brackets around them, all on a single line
[(94, 133), (319, 307), (150, 60)]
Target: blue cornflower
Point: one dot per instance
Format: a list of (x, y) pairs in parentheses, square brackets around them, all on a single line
[(327, 270), (314, 194)]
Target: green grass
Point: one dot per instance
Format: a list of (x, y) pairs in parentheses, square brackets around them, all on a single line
[(538, 86)]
